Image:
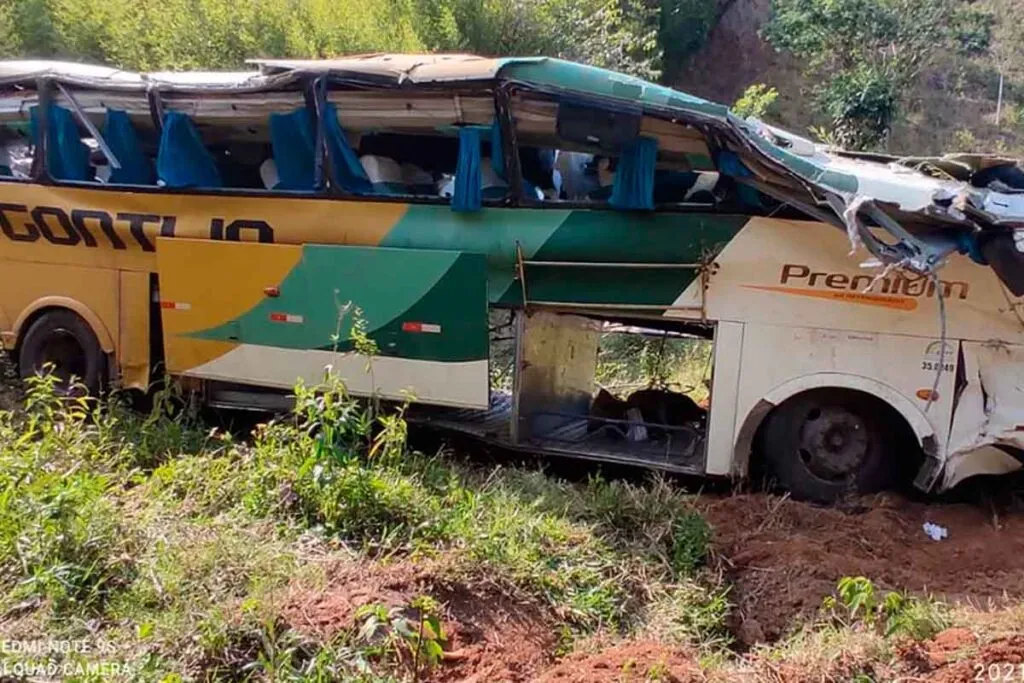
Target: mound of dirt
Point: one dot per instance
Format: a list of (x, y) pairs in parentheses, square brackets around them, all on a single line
[(954, 656), (490, 636), (784, 557), (629, 661), (999, 660)]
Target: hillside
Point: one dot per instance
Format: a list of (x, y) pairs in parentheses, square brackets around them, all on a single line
[(951, 108)]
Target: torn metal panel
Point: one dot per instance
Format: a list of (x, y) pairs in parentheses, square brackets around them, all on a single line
[(988, 421), (924, 208)]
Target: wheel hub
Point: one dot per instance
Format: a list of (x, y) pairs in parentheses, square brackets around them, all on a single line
[(63, 356), (833, 442)]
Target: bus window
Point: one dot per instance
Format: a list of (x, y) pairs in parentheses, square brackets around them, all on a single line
[(16, 148), (414, 145), (16, 153), (248, 141), (576, 153)]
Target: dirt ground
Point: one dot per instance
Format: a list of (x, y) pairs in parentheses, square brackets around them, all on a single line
[(781, 557)]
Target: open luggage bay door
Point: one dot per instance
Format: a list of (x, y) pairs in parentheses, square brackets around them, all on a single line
[(270, 315)]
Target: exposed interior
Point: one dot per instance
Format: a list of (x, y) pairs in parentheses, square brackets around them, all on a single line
[(615, 390), (420, 144)]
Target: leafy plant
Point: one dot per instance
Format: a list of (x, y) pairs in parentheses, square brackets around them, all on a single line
[(864, 54), (755, 101), (413, 634), (893, 614)]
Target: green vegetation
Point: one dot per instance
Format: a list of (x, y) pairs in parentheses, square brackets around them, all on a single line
[(181, 548), (895, 614), (864, 53), (215, 34), (756, 101), (626, 362), (177, 546)]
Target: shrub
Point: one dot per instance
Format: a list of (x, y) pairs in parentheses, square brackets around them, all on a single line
[(856, 602)]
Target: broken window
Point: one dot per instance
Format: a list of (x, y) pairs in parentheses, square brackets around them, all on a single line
[(421, 145), (16, 147), (596, 154)]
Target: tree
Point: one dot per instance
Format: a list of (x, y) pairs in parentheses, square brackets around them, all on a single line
[(683, 29), (621, 35), (11, 45), (151, 35), (864, 54)]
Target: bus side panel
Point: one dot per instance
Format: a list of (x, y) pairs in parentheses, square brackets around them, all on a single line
[(724, 390), (133, 332), (779, 361), (989, 416), (90, 292), (269, 315)]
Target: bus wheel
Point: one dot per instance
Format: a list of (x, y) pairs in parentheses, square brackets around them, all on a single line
[(826, 443), (65, 344)]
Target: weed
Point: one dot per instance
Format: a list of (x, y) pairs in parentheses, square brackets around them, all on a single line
[(893, 614), (410, 634)]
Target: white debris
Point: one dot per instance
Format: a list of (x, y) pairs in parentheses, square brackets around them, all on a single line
[(935, 532)]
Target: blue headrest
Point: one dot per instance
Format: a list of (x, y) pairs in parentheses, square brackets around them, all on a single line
[(136, 168)]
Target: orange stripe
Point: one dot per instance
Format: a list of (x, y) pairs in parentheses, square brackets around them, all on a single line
[(900, 303)]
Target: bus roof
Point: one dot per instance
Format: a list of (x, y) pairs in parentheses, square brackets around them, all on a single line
[(390, 69)]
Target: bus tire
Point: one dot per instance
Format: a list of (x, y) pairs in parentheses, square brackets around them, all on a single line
[(61, 338), (825, 444)]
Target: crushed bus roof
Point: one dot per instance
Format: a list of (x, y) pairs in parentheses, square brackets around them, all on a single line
[(929, 206)]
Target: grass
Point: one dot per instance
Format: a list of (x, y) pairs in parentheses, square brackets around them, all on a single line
[(175, 546), (175, 541)]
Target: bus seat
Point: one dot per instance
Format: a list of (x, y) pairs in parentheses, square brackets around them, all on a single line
[(494, 186), (673, 186), (268, 174), (136, 168), (384, 173), (183, 160), (634, 176), (294, 146), (67, 157), (417, 180), (5, 162), (349, 173)]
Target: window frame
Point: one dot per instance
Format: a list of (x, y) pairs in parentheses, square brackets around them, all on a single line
[(511, 87)]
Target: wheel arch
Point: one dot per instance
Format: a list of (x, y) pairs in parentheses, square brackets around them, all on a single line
[(912, 416), (43, 305)]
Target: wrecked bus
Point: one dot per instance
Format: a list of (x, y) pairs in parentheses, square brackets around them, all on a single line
[(222, 227)]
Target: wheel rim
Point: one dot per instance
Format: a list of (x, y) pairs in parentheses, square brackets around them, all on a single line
[(63, 356), (834, 442)]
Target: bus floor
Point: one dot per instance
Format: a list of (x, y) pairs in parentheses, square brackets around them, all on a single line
[(663, 447)]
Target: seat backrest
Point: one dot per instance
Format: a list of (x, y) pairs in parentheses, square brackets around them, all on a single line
[(136, 168), (183, 160), (67, 157), (293, 141), (348, 170)]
